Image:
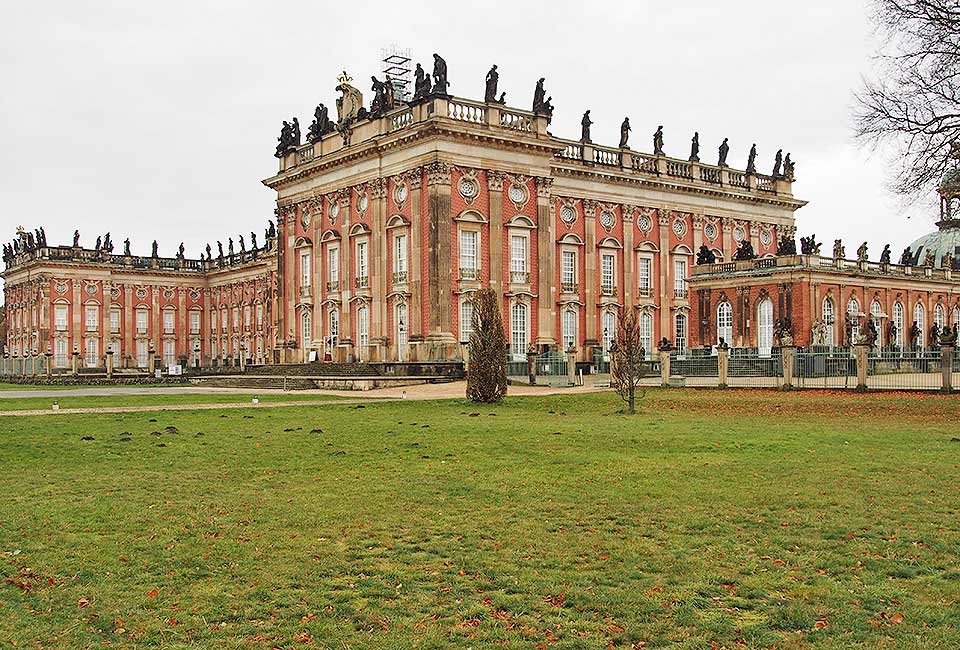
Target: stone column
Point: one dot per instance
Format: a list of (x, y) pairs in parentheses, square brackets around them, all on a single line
[(786, 355), (76, 361), (414, 277), (666, 288), (48, 365), (861, 350), (546, 266), (723, 366), (442, 342), (532, 367), (109, 364), (380, 243), (152, 359), (346, 274), (243, 357), (629, 257), (664, 368), (946, 367), (572, 366)]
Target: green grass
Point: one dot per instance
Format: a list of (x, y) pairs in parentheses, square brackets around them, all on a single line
[(742, 518), (18, 387), (158, 399)]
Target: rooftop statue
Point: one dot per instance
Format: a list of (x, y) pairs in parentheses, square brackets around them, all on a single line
[(624, 133), (539, 95), (947, 261), (885, 255), (76, 239), (243, 246), (839, 252), (490, 91), (705, 255), (286, 141), (153, 249), (209, 252), (108, 243), (787, 246), (219, 250), (253, 240), (440, 82), (744, 251), (906, 257), (181, 251), (321, 124), (585, 127), (349, 103), (752, 160), (99, 244), (389, 102), (658, 141), (272, 229), (378, 105), (789, 169), (862, 253), (724, 150), (126, 247), (695, 147), (777, 164), (421, 83), (230, 246), (929, 260)]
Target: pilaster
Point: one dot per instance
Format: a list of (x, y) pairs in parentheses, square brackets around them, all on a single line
[(546, 265), (414, 310), (590, 271), (495, 245)]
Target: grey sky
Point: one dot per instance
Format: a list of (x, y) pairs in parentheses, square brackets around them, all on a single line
[(159, 120)]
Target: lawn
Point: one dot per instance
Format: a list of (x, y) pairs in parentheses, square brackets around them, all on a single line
[(155, 399), (738, 518)]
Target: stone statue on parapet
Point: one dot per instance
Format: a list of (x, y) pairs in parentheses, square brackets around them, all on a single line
[(752, 160), (695, 147), (744, 251), (885, 254), (490, 91), (286, 140), (440, 82), (243, 246), (378, 104), (789, 169), (421, 84), (539, 98), (624, 133), (724, 151), (253, 240), (872, 334), (777, 164), (933, 338), (658, 141), (153, 249), (209, 252), (321, 124), (76, 239), (271, 230), (126, 247), (219, 250), (839, 252), (585, 127), (705, 255), (906, 257), (946, 262), (915, 334), (99, 243), (787, 245), (929, 259), (862, 253)]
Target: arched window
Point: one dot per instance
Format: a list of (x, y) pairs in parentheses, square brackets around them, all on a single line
[(646, 333), (765, 327), (363, 331), (853, 313), (918, 318), (609, 324), (725, 322), (898, 323), (306, 329), (680, 334), (956, 316), (939, 315), (518, 331), (829, 320), (402, 328), (466, 318), (333, 322), (876, 315), (569, 329)]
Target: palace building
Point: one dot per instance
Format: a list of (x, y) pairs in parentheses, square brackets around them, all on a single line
[(389, 219)]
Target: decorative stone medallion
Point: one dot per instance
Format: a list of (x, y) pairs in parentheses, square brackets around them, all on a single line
[(679, 227), (114, 292), (518, 195), (739, 234), (400, 193), (168, 294), (607, 219), (766, 238), (334, 210), (362, 203), (91, 289), (710, 231), (644, 223), (469, 189), (305, 218), (194, 295), (141, 293), (60, 287), (568, 214)]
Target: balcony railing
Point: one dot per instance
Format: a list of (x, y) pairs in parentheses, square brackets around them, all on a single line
[(333, 285), (520, 277), (399, 277), (608, 290), (361, 282), (568, 287), (645, 292), (681, 293), (469, 274)]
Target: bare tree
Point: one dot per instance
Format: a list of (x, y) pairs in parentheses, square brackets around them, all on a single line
[(487, 374), (913, 103), (627, 358)]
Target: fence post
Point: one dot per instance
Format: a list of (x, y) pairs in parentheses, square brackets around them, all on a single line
[(861, 352), (48, 366), (109, 364), (572, 366), (76, 361), (532, 367), (786, 355), (723, 364), (664, 368), (946, 367)]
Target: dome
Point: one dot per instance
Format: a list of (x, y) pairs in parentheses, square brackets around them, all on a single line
[(943, 241)]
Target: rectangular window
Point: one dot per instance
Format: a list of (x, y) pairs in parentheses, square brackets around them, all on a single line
[(518, 259), (114, 320), (60, 318), (645, 276), (259, 315), (247, 316), (362, 265), (569, 329), (92, 316), (607, 274), (305, 269), (466, 319), (468, 254), (91, 350), (400, 255), (168, 318), (646, 334), (363, 330), (60, 353), (680, 278), (236, 319), (141, 321), (568, 271), (333, 265), (194, 322), (680, 334), (142, 353), (169, 354), (223, 320)]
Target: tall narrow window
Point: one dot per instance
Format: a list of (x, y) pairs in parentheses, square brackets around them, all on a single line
[(466, 318), (92, 316), (829, 319), (306, 329), (468, 254), (362, 265), (939, 315), (223, 320), (333, 268), (607, 287), (236, 319), (518, 331), (680, 277), (569, 329), (919, 320), (853, 313), (609, 324), (725, 322), (168, 316), (305, 275), (334, 328), (518, 259), (259, 315), (60, 353), (765, 327), (400, 258), (247, 316), (60, 318), (402, 326), (169, 353), (194, 322), (956, 316), (142, 353), (568, 271), (114, 320), (91, 352), (680, 334), (363, 331), (645, 276), (898, 324), (142, 321)]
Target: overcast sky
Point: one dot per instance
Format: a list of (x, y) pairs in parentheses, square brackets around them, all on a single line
[(159, 120)]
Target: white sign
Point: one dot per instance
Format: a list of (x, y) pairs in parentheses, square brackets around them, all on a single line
[(174, 370)]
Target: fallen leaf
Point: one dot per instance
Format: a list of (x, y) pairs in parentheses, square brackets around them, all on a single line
[(152, 593)]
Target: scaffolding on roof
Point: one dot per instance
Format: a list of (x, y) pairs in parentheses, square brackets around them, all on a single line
[(396, 67)]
